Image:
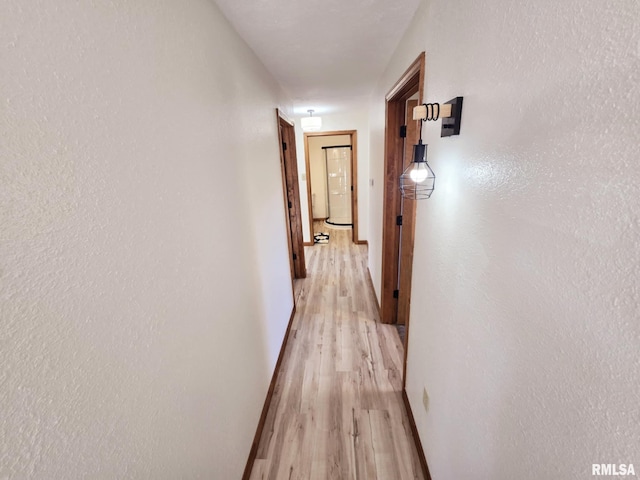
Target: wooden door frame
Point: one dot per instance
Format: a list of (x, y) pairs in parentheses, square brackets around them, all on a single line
[(291, 196), (408, 213), (353, 134), (408, 84)]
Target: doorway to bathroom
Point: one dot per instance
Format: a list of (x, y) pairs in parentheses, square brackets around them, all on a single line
[(331, 165), (337, 176)]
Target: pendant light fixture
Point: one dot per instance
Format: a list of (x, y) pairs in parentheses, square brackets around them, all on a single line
[(418, 181), (311, 123)]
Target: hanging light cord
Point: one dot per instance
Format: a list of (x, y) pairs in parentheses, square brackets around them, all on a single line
[(433, 113)]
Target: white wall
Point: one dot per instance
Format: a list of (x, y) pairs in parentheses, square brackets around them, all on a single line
[(525, 319), (140, 315), (357, 118)]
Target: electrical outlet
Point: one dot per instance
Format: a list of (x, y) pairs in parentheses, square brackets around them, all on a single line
[(425, 399)]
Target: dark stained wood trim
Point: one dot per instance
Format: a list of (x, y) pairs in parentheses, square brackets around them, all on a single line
[(362, 242), (295, 213), (287, 222), (354, 186), (307, 166), (265, 408), (407, 82), (408, 213), (285, 118), (416, 436), (353, 134), (289, 166), (308, 244), (410, 82), (329, 133), (391, 209)]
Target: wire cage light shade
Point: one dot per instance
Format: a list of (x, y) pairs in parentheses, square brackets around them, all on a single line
[(418, 181)]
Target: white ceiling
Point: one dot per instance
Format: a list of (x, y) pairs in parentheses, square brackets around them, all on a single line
[(324, 53)]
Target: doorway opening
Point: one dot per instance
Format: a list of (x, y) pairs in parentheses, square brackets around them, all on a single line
[(338, 185), (289, 167), (331, 160), (399, 215)]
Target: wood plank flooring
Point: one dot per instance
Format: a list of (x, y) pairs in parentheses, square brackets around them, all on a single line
[(337, 410)]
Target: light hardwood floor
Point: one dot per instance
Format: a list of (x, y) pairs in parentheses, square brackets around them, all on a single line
[(337, 410)]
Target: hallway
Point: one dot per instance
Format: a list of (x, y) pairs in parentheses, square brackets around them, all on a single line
[(145, 284), (337, 409)]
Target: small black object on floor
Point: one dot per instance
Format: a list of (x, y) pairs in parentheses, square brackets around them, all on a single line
[(320, 237)]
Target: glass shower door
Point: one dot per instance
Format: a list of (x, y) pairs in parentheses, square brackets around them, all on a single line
[(338, 160)]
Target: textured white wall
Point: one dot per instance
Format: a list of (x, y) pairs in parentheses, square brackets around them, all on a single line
[(140, 315), (525, 319), (356, 118)]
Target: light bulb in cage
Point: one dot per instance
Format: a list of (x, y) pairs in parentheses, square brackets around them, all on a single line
[(418, 180), (419, 172)]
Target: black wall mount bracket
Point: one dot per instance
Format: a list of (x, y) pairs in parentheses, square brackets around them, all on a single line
[(451, 124)]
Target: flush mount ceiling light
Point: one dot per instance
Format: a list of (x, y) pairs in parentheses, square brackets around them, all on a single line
[(311, 123), (418, 181)]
